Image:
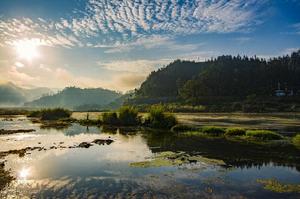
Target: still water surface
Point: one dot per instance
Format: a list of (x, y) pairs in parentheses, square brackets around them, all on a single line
[(105, 170)]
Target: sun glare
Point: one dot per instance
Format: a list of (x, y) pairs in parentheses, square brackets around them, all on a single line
[(24, 173), (27, 49)]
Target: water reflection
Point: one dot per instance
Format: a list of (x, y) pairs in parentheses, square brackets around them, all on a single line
[(105, 171), (24, 173)]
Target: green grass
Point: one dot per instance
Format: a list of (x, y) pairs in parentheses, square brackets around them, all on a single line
[(157, 118), (110, 118), (296, 141), (90, 122), (235, 132), (128, 116), (213, 130), (264, 135), (51, 114)]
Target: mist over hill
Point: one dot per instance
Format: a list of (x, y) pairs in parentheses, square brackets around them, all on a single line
[(12, 95), (74, 98)]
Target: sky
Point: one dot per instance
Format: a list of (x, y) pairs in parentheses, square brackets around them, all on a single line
[(115, 44)]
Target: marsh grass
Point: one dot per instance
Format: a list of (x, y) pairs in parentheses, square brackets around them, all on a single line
[(110, 118), (128, 116), (89, 122), (157, 118), (263, 135), (235, 132), (296, 141), (51, 114), (213, 130)]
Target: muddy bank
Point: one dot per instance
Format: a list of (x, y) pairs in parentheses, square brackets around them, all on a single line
[(22, 152), (7, 132)]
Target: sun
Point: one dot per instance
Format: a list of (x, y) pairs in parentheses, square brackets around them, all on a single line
[(27, 49)]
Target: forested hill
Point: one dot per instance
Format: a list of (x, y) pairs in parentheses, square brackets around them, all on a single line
[(231, 76), (13, 95), (72, 97)]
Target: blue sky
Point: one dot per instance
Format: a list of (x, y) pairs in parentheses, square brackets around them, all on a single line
[(116, 44)]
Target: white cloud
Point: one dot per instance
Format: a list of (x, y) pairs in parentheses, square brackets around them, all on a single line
[(109, 22), (133, 66)]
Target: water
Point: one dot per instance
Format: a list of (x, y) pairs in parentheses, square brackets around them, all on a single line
[(106, 171)]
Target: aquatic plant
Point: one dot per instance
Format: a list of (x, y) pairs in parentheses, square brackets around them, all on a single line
[(51, 114), (296, 141), (169, 158), (157, 118), (213, 130), (36, 113), (128, 116), (235, 132), (110, 118), (276, 186), (264, 134), (88, 122)]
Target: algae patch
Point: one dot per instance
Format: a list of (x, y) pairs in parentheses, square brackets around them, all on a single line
[(169, 158), (276, 186)]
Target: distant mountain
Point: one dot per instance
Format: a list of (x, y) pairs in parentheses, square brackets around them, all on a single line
[(12, 95), (72, 97)]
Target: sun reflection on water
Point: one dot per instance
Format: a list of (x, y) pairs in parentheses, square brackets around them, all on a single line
[(24, 173)]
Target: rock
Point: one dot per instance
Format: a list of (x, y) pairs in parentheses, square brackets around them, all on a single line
[(84, 145), (102, 141)]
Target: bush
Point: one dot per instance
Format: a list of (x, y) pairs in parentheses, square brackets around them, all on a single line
[(183, 128), (51, 114), (235, 132), (296, 141), (128, 115), (110, 118), (263, 134), (158, 119), (34, 114), (212, 130)]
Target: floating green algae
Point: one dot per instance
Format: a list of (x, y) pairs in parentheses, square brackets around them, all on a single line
[(276, 186), (169, 158)]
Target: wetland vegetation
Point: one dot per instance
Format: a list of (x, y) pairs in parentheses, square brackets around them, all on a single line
[(178, 155)]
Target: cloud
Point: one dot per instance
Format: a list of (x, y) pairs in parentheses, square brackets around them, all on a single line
[(296, 26), (242, 40), (133, 66), (129, 81), (112, 22)]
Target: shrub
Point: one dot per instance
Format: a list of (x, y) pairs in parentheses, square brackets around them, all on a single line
[(89, 122), (110, 118), (235, 132), (183, 128), (158, 119), (34, 114), (55, 114), (263, 134), (51, 114), (128, 115), (296, 141), (213, 130)]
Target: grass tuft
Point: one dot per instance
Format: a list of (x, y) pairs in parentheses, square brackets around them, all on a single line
[(264, 135), (235, 132), (213, 130)]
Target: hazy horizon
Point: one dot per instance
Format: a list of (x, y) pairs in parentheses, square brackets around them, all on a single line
[(116, 45)]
